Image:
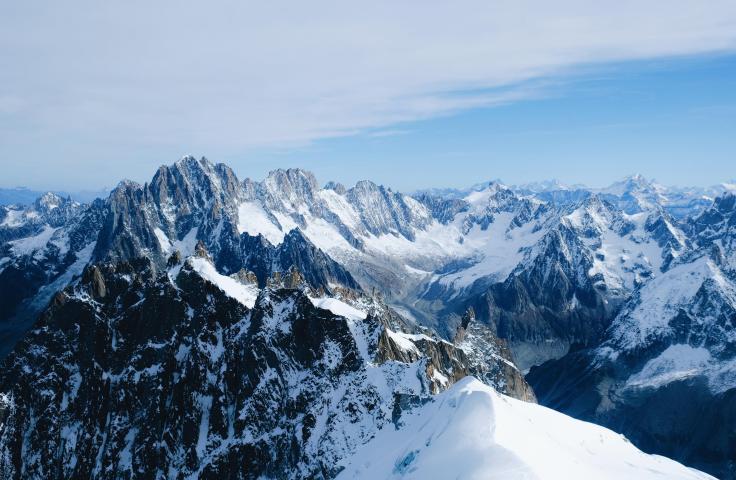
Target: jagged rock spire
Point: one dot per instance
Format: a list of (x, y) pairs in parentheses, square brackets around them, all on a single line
[(467, 318)]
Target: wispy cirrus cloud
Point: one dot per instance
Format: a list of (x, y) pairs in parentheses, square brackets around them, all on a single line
[(238, 75)]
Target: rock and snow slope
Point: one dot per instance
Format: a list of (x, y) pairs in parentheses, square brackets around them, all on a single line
[(664, 373), (186, 375), (472, 432), (189, 373), (635, 298)]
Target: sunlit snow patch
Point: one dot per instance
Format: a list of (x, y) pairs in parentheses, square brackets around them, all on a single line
[(338, 308), (163, 240), (26, 246), (253, 220), (472, 432), (13, 218), (245, 294)]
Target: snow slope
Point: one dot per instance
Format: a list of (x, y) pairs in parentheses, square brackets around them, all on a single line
[(338, 308), (245, 294), (650, 312), (497, 249), (681, 362), (472, 432), (27, 246)]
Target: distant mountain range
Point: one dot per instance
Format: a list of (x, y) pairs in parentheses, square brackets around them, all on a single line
[(632, 193), (283, 329), (25, 196)]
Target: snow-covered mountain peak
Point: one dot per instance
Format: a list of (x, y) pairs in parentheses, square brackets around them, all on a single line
[(722, 210), (196, 171), (49, 210), (681, 323), (49, 201), (189, 164), (492, 194), (188, 160), (195, 180), (637, 179), (629, 184), (593, 216), (665, 229), (126, 184), (716, 227), (635, 194)]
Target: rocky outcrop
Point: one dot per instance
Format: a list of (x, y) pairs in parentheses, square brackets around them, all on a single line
[(490, 359)]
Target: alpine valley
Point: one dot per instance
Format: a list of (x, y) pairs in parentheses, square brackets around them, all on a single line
[(202, 326)]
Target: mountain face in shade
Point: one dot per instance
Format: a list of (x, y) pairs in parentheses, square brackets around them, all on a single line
[(43, 248), (616, 301), (663, 373)]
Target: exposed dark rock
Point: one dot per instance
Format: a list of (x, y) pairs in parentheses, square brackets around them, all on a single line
[(131, 374)]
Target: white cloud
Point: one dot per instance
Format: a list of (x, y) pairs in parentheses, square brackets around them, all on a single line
[(248, 74)]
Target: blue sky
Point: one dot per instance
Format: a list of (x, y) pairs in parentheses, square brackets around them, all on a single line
[(411, 94), (671, 120)]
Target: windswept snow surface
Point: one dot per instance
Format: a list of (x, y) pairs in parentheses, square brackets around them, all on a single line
[(245, 294), (402, 341), (472, 432), (187, 244), (163, 240)]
